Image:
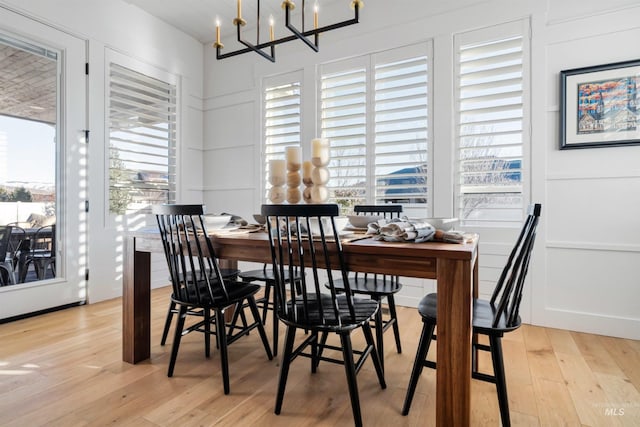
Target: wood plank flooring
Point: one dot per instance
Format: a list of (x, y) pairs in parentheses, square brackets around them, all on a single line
[(65, 369)]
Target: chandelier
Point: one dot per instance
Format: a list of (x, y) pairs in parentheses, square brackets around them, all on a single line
[(309, 37)]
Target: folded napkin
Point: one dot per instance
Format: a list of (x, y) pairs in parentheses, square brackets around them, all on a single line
[(452, 236), (405, 230), (401, 230)]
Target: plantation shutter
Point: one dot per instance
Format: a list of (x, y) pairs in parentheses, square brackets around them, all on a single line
[(490, 128), (374, 113), (401, 105), (142, 141), (282, 118), (343, 109)]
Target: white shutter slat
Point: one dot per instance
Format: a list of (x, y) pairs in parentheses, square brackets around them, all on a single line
[(142, 132), (282, 120), (490, 111), (401, 108)]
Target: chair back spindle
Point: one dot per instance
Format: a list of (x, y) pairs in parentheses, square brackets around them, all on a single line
[(510, 285), (302, 238), (195, 277), (387, 211)]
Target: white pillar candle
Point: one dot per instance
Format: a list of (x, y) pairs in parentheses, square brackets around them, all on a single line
[(277, 171), (320, 151), (294, 157), (317, 146)]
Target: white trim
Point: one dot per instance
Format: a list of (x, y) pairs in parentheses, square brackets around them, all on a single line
[(592, 246)]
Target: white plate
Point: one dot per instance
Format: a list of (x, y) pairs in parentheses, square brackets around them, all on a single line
[(216, 222)]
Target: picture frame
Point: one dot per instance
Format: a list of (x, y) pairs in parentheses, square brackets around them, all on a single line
[(600, 105)]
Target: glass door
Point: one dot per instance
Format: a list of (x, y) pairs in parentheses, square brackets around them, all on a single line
[(42, 167)]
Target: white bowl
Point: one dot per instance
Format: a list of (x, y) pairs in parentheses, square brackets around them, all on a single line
[(362, 221), (340, 222), (444, 224), (214, 222)]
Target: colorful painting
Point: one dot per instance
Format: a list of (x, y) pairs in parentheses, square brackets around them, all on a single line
[(600, 105), (608, 105)]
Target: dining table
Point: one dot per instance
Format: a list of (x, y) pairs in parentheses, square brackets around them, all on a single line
[(453, 266)]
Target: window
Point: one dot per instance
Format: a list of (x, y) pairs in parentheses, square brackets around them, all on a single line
[(142, 141), (281, 103), (343, 98), (374, 112), (491, 79)]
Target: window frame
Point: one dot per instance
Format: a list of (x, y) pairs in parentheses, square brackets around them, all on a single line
[(291, 77), (494, 33), (369, 62), (149, 71)]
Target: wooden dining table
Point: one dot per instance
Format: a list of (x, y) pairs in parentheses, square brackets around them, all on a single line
[(453, 266)]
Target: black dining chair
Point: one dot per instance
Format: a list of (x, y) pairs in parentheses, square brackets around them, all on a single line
[(308, 243), (43, 251), (492, 318), (41, 254), (7, 275), (19, 248), (378, 286), (198, 284)]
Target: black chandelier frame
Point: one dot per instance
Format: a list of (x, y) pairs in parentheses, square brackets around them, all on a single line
[(303, 35)]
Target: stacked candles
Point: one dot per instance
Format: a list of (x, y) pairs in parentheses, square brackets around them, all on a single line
[(277, 168), (320, 172), (294, 162), (307, 168)]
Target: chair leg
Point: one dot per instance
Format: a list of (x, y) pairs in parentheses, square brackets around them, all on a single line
[(256, 318), (321, 344), (177, 336), (221, 333), (377, 362), (501, 384), (207, 332), (167, 322), (315, 358), (275, 323), (284, 367), (418, 364), (379, 332), (265, 307), (350, 370), (234, 319), (394, 318)]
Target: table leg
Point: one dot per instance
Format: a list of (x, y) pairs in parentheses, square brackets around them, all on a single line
[(136, 304), (453, 376)]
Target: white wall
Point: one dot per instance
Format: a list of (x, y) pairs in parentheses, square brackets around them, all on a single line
[(115, 26), (582, 274)]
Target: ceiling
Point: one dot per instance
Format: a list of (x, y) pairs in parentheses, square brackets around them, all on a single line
[(198, 17), (27, 85), (28, 81)]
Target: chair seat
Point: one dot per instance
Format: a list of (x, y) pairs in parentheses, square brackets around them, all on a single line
[(370, 285), (483, 313), (237, 291), (226, 273), (365, 309), (263, 275)]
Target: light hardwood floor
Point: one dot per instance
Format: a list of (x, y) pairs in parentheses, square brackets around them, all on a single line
[(65, 369)]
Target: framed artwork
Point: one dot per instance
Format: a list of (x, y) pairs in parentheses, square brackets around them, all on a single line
[(599, 105)]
